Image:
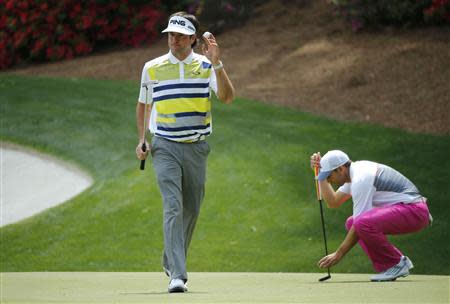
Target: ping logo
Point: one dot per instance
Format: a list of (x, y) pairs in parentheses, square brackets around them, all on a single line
[(178, 22)]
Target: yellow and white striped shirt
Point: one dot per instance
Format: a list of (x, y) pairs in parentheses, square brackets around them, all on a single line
[(181, 99)]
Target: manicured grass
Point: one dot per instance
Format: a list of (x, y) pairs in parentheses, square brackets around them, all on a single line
[(260, 212), (218, 287)]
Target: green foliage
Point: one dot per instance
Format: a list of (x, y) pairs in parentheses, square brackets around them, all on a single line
[(260, 211)]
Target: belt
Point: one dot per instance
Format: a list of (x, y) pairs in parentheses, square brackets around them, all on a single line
[(190, 141)]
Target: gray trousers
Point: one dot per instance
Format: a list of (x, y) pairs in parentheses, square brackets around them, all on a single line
[(181, 172)]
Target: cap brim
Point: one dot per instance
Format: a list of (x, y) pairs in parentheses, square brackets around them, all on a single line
[(323, 175), (174, 29)]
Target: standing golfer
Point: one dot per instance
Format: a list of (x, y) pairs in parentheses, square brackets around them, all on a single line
[(384, 203), (180, 121)]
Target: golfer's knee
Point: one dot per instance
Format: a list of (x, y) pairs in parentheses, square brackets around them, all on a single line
[(363, 224), (172, 207), (349, 223)]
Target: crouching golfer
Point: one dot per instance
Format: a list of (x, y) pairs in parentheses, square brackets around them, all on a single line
[(384, 203), (180, 121)]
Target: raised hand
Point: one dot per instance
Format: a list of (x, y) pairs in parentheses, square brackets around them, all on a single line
[(210, 48)]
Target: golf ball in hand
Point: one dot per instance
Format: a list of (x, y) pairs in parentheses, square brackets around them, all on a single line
[(206, 35)]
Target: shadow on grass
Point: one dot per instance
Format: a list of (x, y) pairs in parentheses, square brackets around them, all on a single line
[(365, 281), (157, 293)]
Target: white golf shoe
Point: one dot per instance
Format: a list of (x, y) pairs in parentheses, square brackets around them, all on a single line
[(177, 285), (397, 271)]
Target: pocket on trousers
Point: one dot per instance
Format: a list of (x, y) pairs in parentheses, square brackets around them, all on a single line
[(153, 144), (203, 148)]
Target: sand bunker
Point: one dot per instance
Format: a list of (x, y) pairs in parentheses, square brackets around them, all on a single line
[(32, 182)]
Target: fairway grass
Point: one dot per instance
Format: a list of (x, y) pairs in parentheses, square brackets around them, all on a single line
[(260, 212), (204, 287)]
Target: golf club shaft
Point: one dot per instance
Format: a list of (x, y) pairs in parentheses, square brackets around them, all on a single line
[(324, 233), (319, 197)]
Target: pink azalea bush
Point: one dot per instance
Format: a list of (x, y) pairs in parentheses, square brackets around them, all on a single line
[(47, 30)]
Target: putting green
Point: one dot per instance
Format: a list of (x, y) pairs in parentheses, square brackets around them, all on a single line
[(121, 287)]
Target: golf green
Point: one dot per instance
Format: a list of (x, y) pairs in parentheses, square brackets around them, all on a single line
[(142, 287)]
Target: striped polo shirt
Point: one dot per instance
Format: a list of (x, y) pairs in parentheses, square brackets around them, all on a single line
[(181, 105)]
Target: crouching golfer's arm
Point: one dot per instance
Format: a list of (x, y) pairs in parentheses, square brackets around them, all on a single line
[(334, 199), (140, 116), (332, 259)]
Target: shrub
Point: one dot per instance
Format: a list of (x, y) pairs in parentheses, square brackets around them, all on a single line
[(362, 13), (33, 30), (438, 12)]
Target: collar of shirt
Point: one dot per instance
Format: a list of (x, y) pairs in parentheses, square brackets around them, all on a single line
[(187, 60)]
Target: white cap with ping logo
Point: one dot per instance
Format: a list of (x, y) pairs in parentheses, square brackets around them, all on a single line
[(180, 25)]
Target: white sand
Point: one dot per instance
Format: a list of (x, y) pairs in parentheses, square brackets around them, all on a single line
[(32, 182)]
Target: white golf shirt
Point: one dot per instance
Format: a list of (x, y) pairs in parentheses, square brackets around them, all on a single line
[(374, 185)]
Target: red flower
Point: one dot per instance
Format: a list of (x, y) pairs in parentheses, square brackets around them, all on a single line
[(51, 19), (38, 46), (50, 53), (3, 21), (19, 39), (5, 59), (23, 17), (69, 53), (23, 5), (77, 8), (60, 51), (3, 43), (9, 5), (44, 7), (82, 48), (87, 22), (36, 15)]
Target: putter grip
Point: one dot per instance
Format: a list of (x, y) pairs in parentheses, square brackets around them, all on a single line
[(144, 148)]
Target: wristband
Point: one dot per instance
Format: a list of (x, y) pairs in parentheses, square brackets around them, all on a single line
[(218, 67)]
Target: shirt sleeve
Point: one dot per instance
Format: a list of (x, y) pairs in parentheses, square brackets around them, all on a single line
[(345, 188), (143, 95)]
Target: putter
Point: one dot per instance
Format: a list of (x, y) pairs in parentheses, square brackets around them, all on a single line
[(319, 197), (144, 146)]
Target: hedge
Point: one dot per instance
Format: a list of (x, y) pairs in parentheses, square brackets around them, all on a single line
[(39, 30)]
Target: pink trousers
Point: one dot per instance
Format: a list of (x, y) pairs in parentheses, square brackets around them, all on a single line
[(373, 226)]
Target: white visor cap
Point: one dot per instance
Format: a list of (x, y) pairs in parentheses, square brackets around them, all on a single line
[(330, 161), (180, 25)]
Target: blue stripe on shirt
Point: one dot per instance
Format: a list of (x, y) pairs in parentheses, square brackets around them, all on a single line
[(184, 128), (180, 86), (186, 114), (181, 136), (181, 95)]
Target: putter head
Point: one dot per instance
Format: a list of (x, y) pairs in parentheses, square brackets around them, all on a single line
[(325, 278)]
